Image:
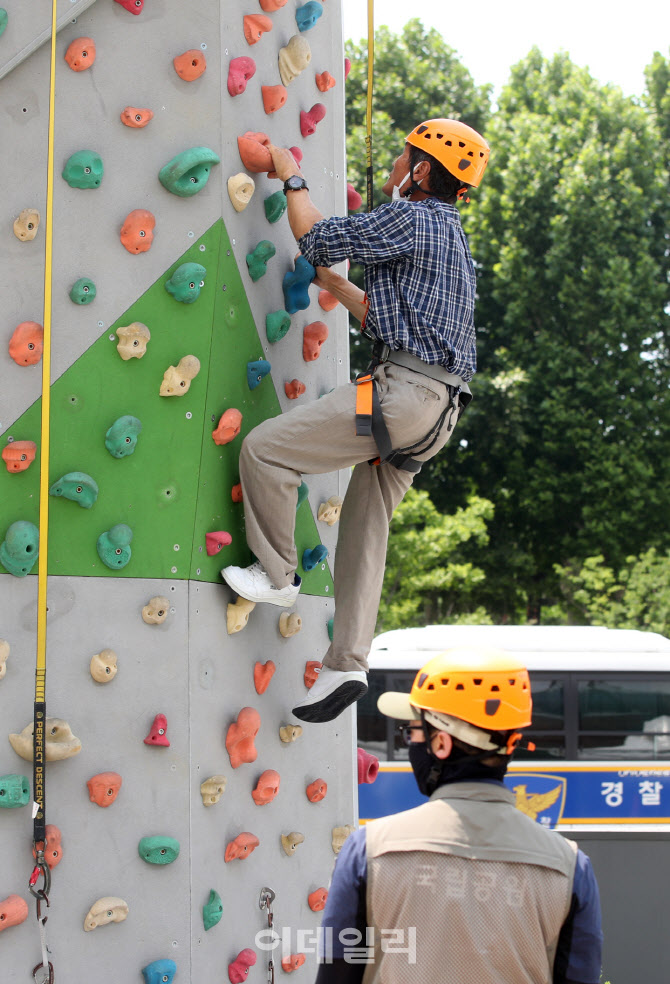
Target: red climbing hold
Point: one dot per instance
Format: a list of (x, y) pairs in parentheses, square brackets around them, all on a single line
[(133, 6), (309, 119), (368, 767), (313, 337), (294, 389), (236, 493), (240, 71), (217, 541), (354, 200), (158, 733)]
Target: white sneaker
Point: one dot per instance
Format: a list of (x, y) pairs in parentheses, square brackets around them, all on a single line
[(333, 691), (253, 584)]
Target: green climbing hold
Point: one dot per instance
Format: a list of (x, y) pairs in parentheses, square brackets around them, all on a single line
[(121, 438), (77, 486), (212, 911), (14, 792), (158, 850), (275, 206), (188, 173), (277, 323), (84, 169), (303, 492), (114, 546), (20, 548), (257, 262), (331, 623), (4, 17), (185, 282), (83, 291)]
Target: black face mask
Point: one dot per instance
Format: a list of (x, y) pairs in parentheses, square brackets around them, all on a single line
[(431, 773)]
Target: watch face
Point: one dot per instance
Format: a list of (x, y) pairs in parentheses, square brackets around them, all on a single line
[(295, 183)]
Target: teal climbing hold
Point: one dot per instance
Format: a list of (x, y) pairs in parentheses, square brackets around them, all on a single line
[(295, 285), (277, 323), (188, 173), (84, 169), (257, 261), (14, 792), (4, 17), (275, 206), (121, 438), (20, 548), (212, 911), (256, 372), (307, 15), (186, 282), (83, 291), (158, 850), (312, 558), (114, 546), (303, 492), (159, 972), (77, 486), (331, 623)]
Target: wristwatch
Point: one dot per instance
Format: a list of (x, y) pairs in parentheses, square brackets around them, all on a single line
[(295, 183)]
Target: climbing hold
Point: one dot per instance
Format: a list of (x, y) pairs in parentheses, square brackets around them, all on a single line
[(188, 173), (257, 261), (136, 118), (156, 610), (121, 438), (263, 673), (275, 206), (330, 626), (114, 546), (83, 291), (294, 389), (158, 849), (327, 301), (53, 850), (339, 835), (60, 743), (290, 732), (294, 58), (289, 842), (313, 337), (13, 909), (237, 615), (26, 224), (80, 54), (354, 200), (296, 283), (158, 733), (255, 26), (240, 737), (368, 766), (292, 962), (159, 972), (106, 910), (240, 189), (137, 231), (256, 372), (238, 969), (103, 666), (4, 656), (289, 624), (214, 542), (267, 787), (329, 512), (186, 282), (310, 118), (236, 493), (84, 169), (269, 6), (78, 487), (14, 792), (26, 343), (312, 667), (347, 66), (241, 847), (324, 81), (212, 910), (254, 153), (274, 97), (19, 455), (212, 790), (228, 426), (20, 548), (307, 15), (312, 558), (303, 492), (104, 787), (240, 71), (4, 18), (317, 899), (132, 6), (316, 790), (133, 340), (277, 324), (190, 65), (177, 379)]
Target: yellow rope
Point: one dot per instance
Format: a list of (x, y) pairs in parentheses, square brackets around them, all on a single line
[(368, 114)]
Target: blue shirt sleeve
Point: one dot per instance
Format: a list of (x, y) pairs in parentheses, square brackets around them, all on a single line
[(586, 940), (375, 237), (345, 911)]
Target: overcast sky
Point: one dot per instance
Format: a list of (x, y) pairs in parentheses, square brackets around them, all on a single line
[(614, 40)]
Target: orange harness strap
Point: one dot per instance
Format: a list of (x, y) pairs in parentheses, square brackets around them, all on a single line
[(364, 388)]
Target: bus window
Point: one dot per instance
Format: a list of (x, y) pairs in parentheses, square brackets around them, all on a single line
[(624, 718), (548, 713), (372, 724)]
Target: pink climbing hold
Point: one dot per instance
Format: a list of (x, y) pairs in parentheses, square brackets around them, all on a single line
[(324, 81), (240, 737), (347, 66), (263, 673), (327, 301), (240, 71), (217, 541), (241, 847), (254, 153), (158, 733), (13, 911), (228, 427), (316, 900), (310, 118), (133, 6), (255, 26), (354, 200), (313, 337), (312, 667), (267, 787), (368, 767), (297, 154), (238, 969), (294, 389)]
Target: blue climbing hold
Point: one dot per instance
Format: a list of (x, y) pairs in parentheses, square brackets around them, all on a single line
[(311, 558), (295, 285), (307, 15), (256, 372), (159, 972)]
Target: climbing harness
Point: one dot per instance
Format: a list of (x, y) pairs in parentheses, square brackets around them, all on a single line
[(265, 901), (368, 111)]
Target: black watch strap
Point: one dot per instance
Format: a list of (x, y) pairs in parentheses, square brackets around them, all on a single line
[(295, 183)]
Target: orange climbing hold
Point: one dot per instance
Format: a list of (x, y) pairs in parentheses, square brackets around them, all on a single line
[(326, 300), (26, 344), (137, 231), (13, 911), (228, 427), (263, 673), (240, 737), (267, 788), (294, 389), (236, 493), (241, 847), (190, 65), (312, 667), (292, 962), (136, 118), (104, 788), (316, 790), (324, 81), (255, 26), (254, 152), (269, 6), (274, 97), (81, 54), (316, 900), (53, 849), (313, 337), (19, 455)]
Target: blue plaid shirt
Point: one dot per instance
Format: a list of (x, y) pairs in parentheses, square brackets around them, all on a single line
[(419, 277)]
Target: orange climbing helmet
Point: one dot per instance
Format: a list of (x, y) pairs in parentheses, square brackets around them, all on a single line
[(459, 148)]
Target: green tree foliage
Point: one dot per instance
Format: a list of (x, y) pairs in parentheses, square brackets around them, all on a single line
[(429, 578), (657, 76)]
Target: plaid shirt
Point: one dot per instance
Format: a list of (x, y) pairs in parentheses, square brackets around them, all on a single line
[(419, 277)]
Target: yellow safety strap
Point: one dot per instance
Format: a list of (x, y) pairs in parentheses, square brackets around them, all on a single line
[(368, 113)]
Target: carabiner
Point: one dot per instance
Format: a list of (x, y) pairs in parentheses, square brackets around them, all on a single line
[(47, 978)]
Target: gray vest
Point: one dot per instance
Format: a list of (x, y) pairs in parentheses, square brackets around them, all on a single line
[(465, 890)]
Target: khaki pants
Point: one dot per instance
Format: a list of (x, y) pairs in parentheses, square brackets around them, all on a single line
[(321, 437)]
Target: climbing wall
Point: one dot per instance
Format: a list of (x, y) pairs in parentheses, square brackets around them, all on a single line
[(161, 339)]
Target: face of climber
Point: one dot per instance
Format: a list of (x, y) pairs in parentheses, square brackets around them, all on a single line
[(399, 176)]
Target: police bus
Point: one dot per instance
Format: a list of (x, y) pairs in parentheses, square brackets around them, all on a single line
[(601, 722)]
